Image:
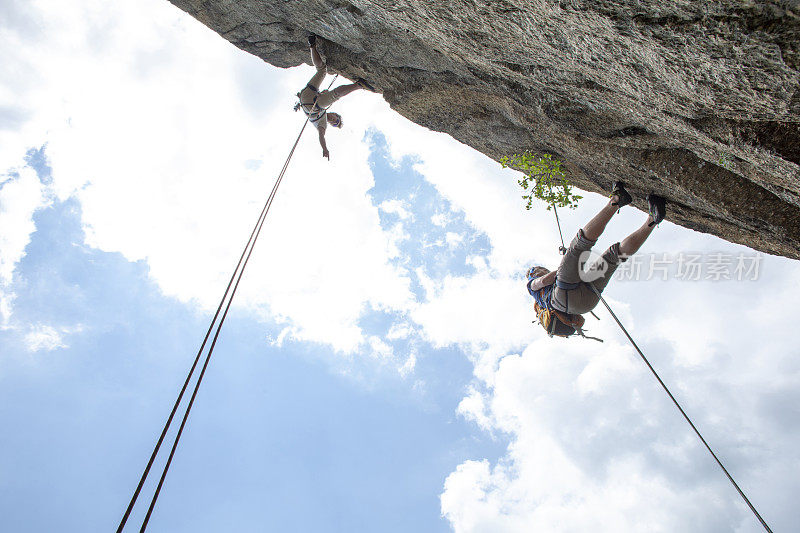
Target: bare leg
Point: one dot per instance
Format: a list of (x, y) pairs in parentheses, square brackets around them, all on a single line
[(316, 58), (595, 227), (631, 244), (343, 90), (318, 78)]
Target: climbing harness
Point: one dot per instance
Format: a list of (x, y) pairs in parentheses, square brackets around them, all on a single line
[(555, 322), (314, 112), (226, 301), (664, 386)]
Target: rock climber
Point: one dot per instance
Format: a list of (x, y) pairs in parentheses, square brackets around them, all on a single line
[(567, 289), (315, 103)]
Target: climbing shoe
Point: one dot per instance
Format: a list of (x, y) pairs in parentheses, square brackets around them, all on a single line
[(658, 208), (364, 84), (312, 40), (622, 196)]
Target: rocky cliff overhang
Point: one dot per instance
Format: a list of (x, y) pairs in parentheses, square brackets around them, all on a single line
[(697, 101)]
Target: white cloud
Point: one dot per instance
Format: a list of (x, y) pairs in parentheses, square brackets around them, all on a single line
[(152, 123), (596, 444), (480, 309), (6, 299), (46, 338), (499, 499), (186, 207), (400, 330), (573, 464), (20, 197), (588, 415), (488, 195), (440, 219), (409, 365), (281, 338), (453, 239), (396, 207), (473, 407)]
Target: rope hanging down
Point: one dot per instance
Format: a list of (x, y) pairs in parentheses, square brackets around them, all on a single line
[(561, 249), (671, 397), (236, 277)]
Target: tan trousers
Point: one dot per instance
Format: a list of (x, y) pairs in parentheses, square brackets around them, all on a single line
[(582, 299)]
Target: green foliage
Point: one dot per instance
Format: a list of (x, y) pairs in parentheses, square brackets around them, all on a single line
[(725, 161), (544, 179)]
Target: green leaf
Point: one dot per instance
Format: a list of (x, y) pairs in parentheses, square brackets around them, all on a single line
[(544, 179)]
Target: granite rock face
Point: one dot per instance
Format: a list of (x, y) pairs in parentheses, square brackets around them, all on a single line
[(697, 101)]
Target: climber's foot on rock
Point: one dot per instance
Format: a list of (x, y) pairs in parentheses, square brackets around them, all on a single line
[(658, 208), (619, 196)]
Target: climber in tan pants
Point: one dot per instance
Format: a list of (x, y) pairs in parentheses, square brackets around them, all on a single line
[(566, 290)]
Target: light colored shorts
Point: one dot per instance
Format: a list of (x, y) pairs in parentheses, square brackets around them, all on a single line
[(324, 98)]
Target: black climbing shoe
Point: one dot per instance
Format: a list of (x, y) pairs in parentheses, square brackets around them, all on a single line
[(623, 198), (364, 84), (312, 40), (658, 208)]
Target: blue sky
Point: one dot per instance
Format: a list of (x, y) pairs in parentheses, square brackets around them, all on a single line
[(379, 370), (278, 425)]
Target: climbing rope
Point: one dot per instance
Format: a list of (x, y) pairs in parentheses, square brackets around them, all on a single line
[(664, 386), (233, 283), (562, 249)]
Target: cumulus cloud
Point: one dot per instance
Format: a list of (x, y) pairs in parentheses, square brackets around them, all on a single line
[(453, 239), (479, 309), (21, 194), (583, 458), (44, 338), (486, 194), (157, 127), (595, 443), (163, 176), (167, 138), (397, 207)]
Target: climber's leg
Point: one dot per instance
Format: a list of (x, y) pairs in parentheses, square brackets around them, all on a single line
[(316, 80), (344, 90), (326, 98), (619, 198), (605, 267), (618, 253), (631, 244), (597, 224)]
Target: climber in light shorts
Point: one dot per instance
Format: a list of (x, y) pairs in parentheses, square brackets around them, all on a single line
[(315, 102), (568, 289)]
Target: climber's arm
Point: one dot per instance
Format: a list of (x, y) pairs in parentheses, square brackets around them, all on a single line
[(324, 145), (544, 281)]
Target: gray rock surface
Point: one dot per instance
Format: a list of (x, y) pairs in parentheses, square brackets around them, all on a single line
[(695, 100)]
